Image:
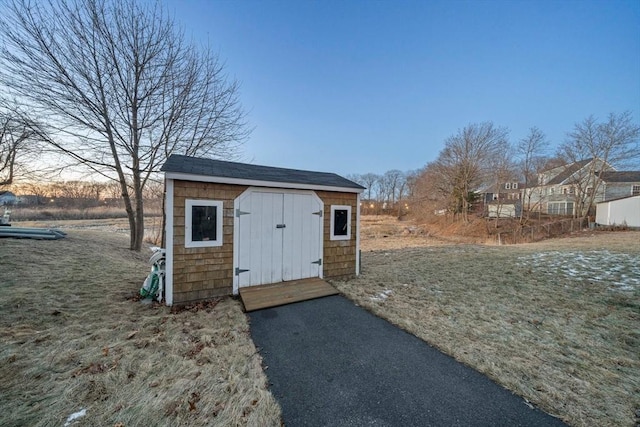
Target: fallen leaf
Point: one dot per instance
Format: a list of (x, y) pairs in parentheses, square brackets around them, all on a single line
[(105, 351), (132, 334)]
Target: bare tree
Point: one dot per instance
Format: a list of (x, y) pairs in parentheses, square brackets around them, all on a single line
[(395, 185), (369, 180), (612, 143), (465, 162), (530, 151), (502, 171), (411, 178), (18, 144), (120, 88)]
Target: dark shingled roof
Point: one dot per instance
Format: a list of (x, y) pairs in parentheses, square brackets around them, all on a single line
[(621, 176), (218, 168), (568, 171)]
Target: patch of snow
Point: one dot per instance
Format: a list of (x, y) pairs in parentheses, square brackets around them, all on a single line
[(81, 413), (382, 296), (616, 271)]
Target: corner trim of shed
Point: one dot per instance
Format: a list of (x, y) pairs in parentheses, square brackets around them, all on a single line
[(168, 232)]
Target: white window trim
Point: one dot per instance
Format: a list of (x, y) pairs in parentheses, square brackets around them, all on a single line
[(189, 204), (507, 186), (340, 207)]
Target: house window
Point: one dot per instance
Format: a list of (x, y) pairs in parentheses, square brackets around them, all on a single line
[(514, 185), (589, 191), (340, 222), (507, 186), (635, 190), (560, 208), (202, 223)]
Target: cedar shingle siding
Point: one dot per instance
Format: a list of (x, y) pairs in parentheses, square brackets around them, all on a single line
[(339, 256), (203, 273)]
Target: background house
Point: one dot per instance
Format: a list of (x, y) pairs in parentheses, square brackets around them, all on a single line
[(507, 191), (7, 198), (569, 188), (617, 184), (502, 200)]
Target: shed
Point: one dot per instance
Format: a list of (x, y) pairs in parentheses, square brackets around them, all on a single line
[(622, 211), (232, 225)]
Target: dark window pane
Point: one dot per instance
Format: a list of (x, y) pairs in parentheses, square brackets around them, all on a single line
[(203, 223), (340, 221)]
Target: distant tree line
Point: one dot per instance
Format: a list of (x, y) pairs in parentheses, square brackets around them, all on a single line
[(388, 193), (79, 194), (480, 155)]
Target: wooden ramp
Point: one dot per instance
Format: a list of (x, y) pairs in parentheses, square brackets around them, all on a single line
[(264, 296)]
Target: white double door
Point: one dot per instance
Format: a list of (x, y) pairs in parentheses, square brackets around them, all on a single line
[(279, 237)]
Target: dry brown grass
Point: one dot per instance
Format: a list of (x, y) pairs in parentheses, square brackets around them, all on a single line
[(568, 343), (73, 339), (152, 226)]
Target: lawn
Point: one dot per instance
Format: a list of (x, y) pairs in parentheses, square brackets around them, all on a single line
[(557, 322), (73, 339)]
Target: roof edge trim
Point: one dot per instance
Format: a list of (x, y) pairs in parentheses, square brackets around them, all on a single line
[(257, 183)]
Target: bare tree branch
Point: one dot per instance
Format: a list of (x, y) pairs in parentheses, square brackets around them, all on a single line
[(120, 89)]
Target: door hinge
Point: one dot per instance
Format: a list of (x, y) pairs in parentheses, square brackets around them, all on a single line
[(240, 270), (239, 212), (319, 261), (319, 213), (281, 225)]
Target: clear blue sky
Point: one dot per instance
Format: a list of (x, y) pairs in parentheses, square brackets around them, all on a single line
[(369, 86)]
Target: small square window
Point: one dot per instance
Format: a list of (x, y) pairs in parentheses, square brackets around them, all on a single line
[(514, 186), (507, 186), (203, 223), (340, 222), (635, 190)]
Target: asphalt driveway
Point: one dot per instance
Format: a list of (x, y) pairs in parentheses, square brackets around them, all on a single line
[(332, 363)]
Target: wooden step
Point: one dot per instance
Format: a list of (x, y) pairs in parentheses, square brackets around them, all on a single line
[(264, 296)]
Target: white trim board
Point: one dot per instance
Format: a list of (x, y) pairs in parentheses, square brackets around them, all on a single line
[(258, 183), (168, 232)]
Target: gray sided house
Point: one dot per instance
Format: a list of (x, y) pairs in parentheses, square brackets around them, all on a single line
[(232, 225), (618, 184), (7, 198), (560, 190)]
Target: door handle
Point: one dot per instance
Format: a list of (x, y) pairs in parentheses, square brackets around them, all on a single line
[(280, 226)]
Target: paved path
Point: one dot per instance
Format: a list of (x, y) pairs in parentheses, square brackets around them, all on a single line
[(332, 363)]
